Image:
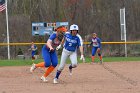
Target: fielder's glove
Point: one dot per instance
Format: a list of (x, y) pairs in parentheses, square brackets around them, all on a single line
[(58, 47), (82, 58)]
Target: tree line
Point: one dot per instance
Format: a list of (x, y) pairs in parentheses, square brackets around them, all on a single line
[(100, 16)]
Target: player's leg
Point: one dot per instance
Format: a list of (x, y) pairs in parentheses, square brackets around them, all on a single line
[(47, 62), (34, 66), (100, 56), (33, 55), (46, 56), (64, 57), (41, 64), (54, 60), (94, 49), (73, 58)]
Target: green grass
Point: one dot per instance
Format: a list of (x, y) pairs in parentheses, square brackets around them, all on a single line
[(18, 62), (120, 59), (88, 59)]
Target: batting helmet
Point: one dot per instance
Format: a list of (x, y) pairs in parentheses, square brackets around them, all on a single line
[(74, 27)]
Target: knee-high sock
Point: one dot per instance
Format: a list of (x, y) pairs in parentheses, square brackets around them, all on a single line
[(42, 64), (48, 71), (92, 58), (57, 74), (100, 57), (33, 58), (70, 67)]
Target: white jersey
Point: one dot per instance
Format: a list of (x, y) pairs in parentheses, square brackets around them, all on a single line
[(81, 41)]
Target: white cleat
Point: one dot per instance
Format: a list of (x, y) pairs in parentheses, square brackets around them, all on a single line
[(44, 79), (33, 67), (101, 61), (70, 74), (55, 81)]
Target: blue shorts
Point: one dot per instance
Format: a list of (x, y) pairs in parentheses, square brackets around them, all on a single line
[(50, 58), (33, 53), (94, 49)]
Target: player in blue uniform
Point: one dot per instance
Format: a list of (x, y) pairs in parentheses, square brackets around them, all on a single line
[(96, 46), (33, 48), (49, 52), (72, 41)]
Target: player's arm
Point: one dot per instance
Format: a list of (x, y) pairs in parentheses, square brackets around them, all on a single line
[(60, 45), (80, 44), (99, 43), (35, 47), (81, 50), (49, 42), (81, 47), (62, 42), (90, 43), (82, 53)]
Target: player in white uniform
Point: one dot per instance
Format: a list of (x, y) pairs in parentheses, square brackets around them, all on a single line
[(72, 41)]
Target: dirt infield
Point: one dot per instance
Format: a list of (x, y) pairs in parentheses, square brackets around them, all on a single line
[(116, 77)]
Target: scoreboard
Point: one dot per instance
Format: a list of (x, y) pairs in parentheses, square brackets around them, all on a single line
[(43, 28)]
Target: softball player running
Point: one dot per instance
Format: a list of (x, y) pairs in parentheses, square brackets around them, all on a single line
[(72, 41), (49, 53), (33, 48), (96, 46)]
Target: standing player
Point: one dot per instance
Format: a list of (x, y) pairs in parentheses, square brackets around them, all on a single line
[(96, 46), (33, 48), (49, 53), (71, 41)]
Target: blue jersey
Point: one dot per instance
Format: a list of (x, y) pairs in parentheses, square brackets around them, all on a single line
[(71, 42), (54, 39), (96, 42), (33, 47)]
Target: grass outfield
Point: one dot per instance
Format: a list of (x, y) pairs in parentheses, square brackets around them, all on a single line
[(29, 62)]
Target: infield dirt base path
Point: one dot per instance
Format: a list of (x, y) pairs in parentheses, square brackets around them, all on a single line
[(116, 77)]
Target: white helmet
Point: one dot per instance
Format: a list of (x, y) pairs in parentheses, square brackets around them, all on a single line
[(74, 27)]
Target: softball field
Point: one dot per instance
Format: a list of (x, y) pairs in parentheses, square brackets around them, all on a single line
[(115, 77)]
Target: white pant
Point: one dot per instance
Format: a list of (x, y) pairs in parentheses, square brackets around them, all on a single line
[(65, 55)]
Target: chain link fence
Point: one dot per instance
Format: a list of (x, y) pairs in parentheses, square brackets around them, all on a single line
[(108, 50)]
